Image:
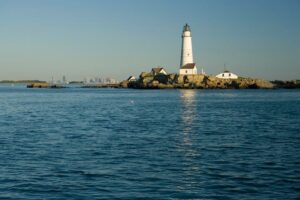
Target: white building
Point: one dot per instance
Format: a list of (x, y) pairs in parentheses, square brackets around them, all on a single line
[(227, 75), (187, 65), (158, 70), (188, 69), (131, 79)]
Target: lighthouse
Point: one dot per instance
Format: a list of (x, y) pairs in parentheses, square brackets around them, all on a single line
[(187, 65)]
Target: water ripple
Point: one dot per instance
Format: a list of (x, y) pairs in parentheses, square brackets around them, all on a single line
[(149, 144)]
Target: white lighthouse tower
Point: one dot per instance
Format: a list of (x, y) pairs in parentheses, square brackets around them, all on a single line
[(187, 65)]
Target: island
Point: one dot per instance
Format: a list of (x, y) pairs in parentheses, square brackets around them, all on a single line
[(194, 81)]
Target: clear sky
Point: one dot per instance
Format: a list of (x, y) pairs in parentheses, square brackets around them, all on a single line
[(117, 38)]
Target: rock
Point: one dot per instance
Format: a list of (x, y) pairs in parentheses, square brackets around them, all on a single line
[(124, 84), (145, 74), (161, 78), (264, 84), (171, 77), (38, 85), (154, 84)]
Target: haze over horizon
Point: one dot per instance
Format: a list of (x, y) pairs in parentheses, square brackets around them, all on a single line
[(114, 38)]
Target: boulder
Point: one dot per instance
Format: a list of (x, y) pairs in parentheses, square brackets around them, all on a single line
[(124, 84), (145, 74)]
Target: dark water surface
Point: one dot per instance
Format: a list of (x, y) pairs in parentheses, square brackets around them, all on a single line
[(158, 144)]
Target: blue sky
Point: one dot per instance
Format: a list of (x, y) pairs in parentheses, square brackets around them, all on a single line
[(117, 38)]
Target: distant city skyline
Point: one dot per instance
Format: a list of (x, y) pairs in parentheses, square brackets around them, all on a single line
[(94, 79), (119, 38)]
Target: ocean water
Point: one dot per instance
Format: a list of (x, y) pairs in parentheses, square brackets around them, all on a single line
[(78, 143)]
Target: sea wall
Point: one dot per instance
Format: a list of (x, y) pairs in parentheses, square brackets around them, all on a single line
[(198, 81)]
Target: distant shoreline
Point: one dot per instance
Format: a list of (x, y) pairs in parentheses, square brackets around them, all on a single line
[(277, 84), (22, 81)]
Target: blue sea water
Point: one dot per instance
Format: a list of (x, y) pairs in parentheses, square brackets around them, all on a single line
[(78, 143)]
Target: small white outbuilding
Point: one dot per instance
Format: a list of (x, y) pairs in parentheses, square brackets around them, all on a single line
[(131, 79), (158, 70), (227, 75)]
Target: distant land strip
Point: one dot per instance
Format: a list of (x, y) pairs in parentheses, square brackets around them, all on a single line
[(173, 81), (22, 81)]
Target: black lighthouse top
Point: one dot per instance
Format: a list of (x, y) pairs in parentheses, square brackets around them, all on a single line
[(186, 28)]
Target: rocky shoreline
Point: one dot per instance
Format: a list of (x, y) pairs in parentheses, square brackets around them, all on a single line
[(197, 81), (295, 84)]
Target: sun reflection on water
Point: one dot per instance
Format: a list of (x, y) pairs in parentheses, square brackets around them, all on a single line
[(187, 146), (188, 113), (188, 116)]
